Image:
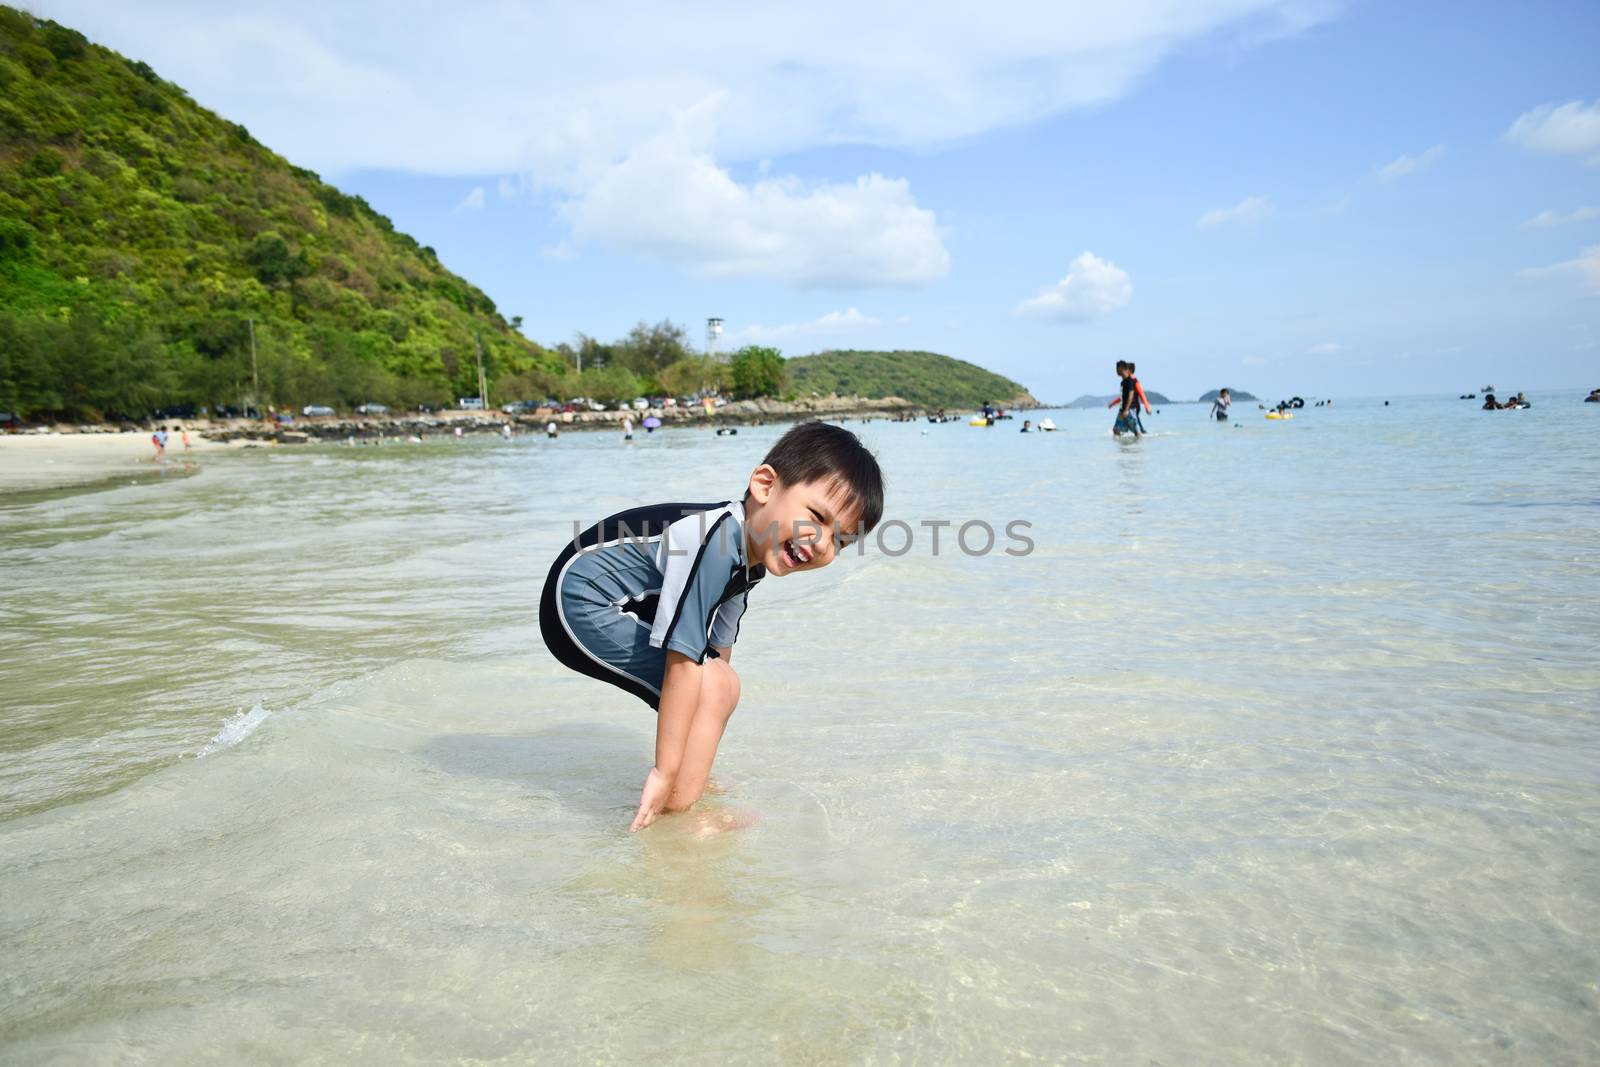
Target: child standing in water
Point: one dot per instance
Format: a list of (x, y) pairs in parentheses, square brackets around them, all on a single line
[(1132, 395), (650, 599), (1219, 406)]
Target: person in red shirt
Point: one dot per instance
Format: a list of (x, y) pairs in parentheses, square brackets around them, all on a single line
[(1132, 397)]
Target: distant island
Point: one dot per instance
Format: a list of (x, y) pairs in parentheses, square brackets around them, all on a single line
[(926, 378), (1087, 401)]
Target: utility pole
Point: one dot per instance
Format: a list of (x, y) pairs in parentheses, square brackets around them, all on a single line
[(483, 387), (255, 377)]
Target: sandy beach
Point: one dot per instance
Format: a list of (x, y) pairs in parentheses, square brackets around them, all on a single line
[(50, 460)]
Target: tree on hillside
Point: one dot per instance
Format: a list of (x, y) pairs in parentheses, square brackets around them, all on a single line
[(649, 350), (609, 385), (696, 374), (758, 371)]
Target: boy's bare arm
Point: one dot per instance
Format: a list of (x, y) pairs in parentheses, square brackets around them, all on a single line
[(680, 694), (725, 653)]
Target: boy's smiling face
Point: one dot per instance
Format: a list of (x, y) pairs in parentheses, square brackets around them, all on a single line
[(792, 528)]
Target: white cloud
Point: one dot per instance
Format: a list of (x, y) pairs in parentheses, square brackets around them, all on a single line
[(832, 324), (1546, 219), (1327, 348), (437, 89), (1405, 165), (425, 88), (473, 201), (1092, 287), (508, 189), (1585, 268), (1247, 212), (1571, 129), (670, 201)]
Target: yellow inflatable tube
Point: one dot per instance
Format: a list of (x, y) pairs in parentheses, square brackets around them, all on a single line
[(1276, 415)]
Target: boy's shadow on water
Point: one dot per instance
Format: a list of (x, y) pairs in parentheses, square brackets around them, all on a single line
[(590, 773), (575, 765)]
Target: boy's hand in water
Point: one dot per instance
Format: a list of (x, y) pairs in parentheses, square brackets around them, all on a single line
[(657, 788)]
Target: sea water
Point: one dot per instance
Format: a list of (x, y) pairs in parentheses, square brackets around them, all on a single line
[(1277, 742)]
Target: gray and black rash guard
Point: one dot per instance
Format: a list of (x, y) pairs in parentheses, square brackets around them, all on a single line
[(669, 577)]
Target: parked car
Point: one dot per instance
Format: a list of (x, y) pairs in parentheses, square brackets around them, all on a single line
[(470, 403), (517, 407), (372, 409), (641, 404), (316, 409)]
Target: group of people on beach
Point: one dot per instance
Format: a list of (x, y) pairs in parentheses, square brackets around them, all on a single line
[(159, 439)]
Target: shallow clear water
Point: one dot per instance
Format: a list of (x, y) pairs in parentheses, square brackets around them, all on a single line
[(1283, 744)]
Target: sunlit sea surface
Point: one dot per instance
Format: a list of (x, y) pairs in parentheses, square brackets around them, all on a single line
[(1281, 745)]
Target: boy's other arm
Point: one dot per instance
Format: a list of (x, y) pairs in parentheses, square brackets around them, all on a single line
[(1140, 389)]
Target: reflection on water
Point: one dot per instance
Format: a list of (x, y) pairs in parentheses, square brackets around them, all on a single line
[(1281, 744)]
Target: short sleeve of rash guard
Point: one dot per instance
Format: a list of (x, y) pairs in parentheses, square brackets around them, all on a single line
[(697, 557), (725, 627)]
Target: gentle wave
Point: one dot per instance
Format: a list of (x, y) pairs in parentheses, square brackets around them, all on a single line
[(236, 729)]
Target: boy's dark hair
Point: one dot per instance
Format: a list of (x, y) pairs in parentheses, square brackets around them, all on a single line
[(818, 452), (1130, 368), (1121, 363)]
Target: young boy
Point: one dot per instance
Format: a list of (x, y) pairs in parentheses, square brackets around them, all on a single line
[(1132, 395), (650, 599)]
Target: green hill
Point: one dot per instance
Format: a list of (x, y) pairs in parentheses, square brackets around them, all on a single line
[(140, 234), (1236, 394), (920, 377)]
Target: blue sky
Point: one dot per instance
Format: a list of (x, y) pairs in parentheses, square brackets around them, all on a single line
[(1289, 196)]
